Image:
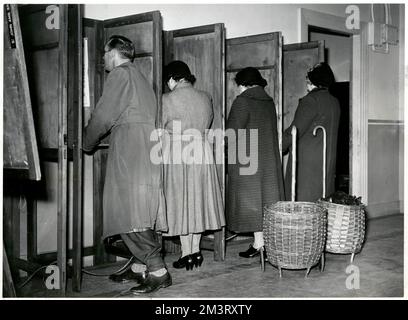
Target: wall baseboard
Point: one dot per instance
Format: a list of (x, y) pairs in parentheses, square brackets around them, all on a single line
[(382, 209)]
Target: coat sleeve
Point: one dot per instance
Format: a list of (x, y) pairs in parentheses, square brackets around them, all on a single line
[(114, 100), (305, 113), (165, 110)]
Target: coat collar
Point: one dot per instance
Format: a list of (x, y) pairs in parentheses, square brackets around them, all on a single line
[(183, 84), (318, 89), (257, 93)]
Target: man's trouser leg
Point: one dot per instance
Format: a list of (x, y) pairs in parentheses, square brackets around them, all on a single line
[(146, 248)]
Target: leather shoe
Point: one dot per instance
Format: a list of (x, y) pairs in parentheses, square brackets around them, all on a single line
[(184, 262), (250, 253), (127, 276), (152, 283), (197, 259)]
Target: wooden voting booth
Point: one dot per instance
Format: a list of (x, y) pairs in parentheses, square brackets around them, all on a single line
[(58, 60), (20, 153), (52, 54)]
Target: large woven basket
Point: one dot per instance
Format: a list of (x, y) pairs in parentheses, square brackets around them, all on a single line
[(346, 228), (294, 234)]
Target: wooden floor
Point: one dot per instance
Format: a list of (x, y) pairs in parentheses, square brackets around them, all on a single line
[(380, 267)]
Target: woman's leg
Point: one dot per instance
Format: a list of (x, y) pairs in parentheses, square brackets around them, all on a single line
[(196, 242), (186, 244), (258, 240)]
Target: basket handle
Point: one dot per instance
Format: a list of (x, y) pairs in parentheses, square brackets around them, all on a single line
[(293, 133), (324, 156)]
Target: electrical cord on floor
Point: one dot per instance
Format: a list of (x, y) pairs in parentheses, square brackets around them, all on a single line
[(33, 274), (107, 275), (83, 270)]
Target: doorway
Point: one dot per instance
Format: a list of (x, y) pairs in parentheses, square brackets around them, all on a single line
[(338, 54)]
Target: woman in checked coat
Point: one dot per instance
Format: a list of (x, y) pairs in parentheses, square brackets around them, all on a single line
[(248, 192)]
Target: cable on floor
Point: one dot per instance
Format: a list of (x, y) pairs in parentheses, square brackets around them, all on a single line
[(33, 274), (107, 275)]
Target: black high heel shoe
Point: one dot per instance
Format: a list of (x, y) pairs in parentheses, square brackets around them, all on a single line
[(197, 259), (184, 262)]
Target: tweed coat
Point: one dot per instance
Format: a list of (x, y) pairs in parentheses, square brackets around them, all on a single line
[(193, 194), (318, 107), (248, 194), (133, 199)]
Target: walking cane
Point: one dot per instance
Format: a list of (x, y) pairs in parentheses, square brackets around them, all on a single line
[(324, 177), (293, 133)]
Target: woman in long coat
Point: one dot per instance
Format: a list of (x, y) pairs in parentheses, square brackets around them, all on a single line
[(191, 185), (249, 192), (317, 108)]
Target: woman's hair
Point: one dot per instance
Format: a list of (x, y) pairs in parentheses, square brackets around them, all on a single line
[(321, 75), (178, 70), (250, 77), (123, 45)]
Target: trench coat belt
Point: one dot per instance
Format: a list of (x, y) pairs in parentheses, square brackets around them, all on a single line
[(135, 120)]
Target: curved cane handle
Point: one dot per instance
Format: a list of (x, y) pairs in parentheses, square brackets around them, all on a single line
[(324, 156)]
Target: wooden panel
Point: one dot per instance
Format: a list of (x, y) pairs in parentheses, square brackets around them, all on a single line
[(264, 53), (44, 78), (94, 33), (140, 34), (297, 59), (202, 49), (145, 31), (34, 25), (42, 55), (62, 147), (20, 144), (75, 113), (8, 284)]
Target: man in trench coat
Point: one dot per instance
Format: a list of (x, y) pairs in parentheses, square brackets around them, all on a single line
[(132, 198)]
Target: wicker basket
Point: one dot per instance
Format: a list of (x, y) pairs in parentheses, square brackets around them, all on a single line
[(346, 228), (294, 234)]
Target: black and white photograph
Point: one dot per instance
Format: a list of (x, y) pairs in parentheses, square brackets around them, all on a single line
[(203, 151)]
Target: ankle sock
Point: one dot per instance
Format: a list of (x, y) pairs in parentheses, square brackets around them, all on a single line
[(138, 268), (159, 273)]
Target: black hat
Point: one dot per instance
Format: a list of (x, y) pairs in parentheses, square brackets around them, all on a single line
[(178, 70), (250, 77), (321, 75)]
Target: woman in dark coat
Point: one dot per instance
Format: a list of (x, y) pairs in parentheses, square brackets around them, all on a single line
[(248, 192), (317, 108)]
